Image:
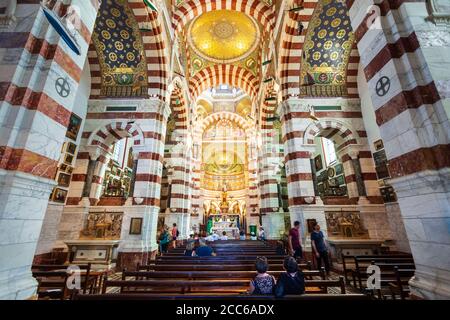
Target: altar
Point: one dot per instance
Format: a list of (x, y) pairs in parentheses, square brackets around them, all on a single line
[(230, 227), (102, 254), (225, 216)]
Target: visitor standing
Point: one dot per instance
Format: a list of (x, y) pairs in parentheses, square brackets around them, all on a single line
[(294, 241)]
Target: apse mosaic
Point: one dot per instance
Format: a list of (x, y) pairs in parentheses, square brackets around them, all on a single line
[(327, 49), (120, 51)]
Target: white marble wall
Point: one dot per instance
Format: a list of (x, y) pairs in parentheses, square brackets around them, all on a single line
[(23, 201), (50, 226), (434, 38)]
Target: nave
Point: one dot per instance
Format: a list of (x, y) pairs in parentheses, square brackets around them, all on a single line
[(126, 126), (227, 276)]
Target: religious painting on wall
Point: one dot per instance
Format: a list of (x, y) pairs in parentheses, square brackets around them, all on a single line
[(318, 162), (378, 145), (331, 172), (311, 223), (74, 127), (339, 169), (71, 148), (68, 159), (136, 226), (63, 180), (388, 194), (340, 180), (381, 167), (59, 195)]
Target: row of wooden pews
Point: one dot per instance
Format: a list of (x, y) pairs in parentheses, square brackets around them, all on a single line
[(226, 275), (52, 280), (395, 272)]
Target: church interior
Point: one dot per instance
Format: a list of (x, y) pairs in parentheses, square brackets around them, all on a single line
[(121, 119)]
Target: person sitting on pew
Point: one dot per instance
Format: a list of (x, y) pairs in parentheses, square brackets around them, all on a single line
[(212, 237), (292, 281), (263, 283), (190, 246), (204, 250), (223, 236)]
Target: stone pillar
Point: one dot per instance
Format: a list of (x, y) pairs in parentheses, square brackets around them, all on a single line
[(416, 134), (80, 183), (98, 178), (297, 158), (272, 220), (33, 123), (147, 189)]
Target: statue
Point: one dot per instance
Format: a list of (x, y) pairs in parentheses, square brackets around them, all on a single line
[(236, 209), (224, 206)]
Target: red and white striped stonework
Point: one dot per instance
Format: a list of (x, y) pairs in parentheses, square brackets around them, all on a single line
[(33, 124), (269, 158), (224, 73), (155, 49), (415, 131), (291, 47), (177, 156), (255, 8), (96, 150), (291, 53), (351, 145), (296, 154)]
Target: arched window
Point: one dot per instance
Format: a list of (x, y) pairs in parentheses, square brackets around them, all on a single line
[(329, 151)]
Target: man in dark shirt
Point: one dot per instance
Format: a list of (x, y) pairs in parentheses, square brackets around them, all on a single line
[(319, 247), (295, 246)]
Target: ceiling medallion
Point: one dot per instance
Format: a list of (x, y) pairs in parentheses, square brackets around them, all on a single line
[(223, 30), (223, 36)]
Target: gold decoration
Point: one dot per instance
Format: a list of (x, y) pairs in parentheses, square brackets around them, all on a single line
[(223, 35)]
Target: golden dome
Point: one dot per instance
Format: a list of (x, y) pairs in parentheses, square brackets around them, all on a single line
[(223, 35)]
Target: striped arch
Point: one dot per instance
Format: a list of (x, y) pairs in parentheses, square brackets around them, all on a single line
[(193, 8), (179, 106), (224, 74), (155, 52), (155, 48), (334, 130), (291, 48), (209, 120), (107, 135)]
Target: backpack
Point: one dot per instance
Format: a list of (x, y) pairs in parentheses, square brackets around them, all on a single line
[(178, 233)]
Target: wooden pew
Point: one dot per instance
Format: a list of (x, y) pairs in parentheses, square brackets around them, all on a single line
[(400, 287), (200, 261), (348, 261), (52, 279), (211, 266), (193, 275), (149, 296), (386, 266), (208, 286)]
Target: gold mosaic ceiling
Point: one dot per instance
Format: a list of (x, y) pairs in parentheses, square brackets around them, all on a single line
[(223, 36), (327, 49)]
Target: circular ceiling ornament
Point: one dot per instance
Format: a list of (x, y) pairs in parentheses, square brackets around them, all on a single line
[(223, 36)]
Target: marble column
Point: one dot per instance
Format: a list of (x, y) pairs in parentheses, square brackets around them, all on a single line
[(415, 130), (147, 189), (33, 123)]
